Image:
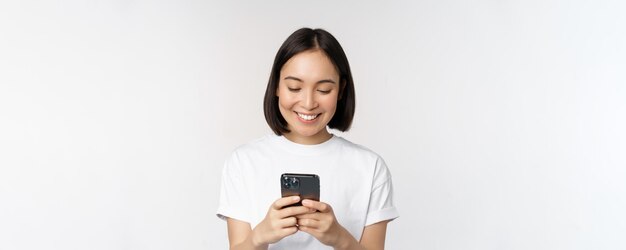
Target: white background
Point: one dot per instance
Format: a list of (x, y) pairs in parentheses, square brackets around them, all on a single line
[(503, 122)]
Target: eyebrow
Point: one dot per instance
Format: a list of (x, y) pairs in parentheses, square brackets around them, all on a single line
[(300, 80)]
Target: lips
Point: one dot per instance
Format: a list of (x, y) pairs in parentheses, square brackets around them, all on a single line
[(307, 117)]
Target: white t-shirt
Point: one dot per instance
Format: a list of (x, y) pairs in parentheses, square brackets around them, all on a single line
[(354, 181)]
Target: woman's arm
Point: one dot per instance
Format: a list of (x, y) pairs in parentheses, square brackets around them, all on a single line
[(324, 227), (240, 235), (373, 238), (279, 222)]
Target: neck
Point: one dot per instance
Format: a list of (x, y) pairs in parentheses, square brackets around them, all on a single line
[(318, 138)]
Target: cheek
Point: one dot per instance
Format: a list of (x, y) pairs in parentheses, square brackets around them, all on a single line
[(329, 103), (285, 102), (282, 100)]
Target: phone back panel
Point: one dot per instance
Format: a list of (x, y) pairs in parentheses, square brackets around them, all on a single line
[(308, 186)]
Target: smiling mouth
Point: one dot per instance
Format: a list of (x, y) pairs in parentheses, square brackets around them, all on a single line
[(307, 117)]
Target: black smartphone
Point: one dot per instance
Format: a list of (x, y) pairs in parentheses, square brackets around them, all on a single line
[(307, 186)]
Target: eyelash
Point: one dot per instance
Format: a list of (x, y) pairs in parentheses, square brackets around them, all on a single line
[(298, 90)]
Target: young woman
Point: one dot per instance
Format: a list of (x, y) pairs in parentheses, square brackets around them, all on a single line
[(310, 90)]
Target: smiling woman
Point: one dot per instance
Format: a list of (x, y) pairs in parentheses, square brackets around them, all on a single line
[(307, 94), (310, 90), (311, 56)]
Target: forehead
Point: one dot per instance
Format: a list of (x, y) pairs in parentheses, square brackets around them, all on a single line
[(310, 65)]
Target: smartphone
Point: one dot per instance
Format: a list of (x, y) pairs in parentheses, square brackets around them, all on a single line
[(307, 186)]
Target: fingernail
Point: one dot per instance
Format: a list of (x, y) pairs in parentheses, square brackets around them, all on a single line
[(295, 198), (306, 202)]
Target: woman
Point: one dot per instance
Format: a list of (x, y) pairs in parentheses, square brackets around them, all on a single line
[(310, 90)]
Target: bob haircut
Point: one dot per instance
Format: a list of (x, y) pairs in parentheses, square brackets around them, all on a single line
[(310, 39)]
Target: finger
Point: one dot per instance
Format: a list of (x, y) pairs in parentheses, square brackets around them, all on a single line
[(280, 203), (288, 231), (293, 211), (314, 216), (310, 231), (319, 206), (287, 222), (309, 223)]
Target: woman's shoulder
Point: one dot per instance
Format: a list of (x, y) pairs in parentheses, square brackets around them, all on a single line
[(253, 151), (358, 149), (364, 157)]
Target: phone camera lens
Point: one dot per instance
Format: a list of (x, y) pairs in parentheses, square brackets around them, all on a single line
[(290, 182), (286, 182), (295, 183)]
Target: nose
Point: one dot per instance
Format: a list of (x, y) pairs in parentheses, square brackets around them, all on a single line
[(309, 101)]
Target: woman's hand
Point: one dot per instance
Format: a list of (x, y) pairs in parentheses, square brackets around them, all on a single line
[(323, 225), (279, 222)]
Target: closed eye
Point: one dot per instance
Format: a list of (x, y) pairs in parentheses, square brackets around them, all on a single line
[(324, 91), (295, 90)]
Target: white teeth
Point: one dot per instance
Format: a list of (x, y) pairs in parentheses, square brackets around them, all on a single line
[(307, 117)]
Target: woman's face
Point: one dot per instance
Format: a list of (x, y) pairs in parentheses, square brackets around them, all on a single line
[(307, 96)]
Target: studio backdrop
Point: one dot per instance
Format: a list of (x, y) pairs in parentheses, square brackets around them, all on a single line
[(502, 122)]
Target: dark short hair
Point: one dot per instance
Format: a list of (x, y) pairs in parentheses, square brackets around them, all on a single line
[(302, 40)]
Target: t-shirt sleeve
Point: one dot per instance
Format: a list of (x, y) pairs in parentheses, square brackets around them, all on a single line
[(381, 207), (233, 195)]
